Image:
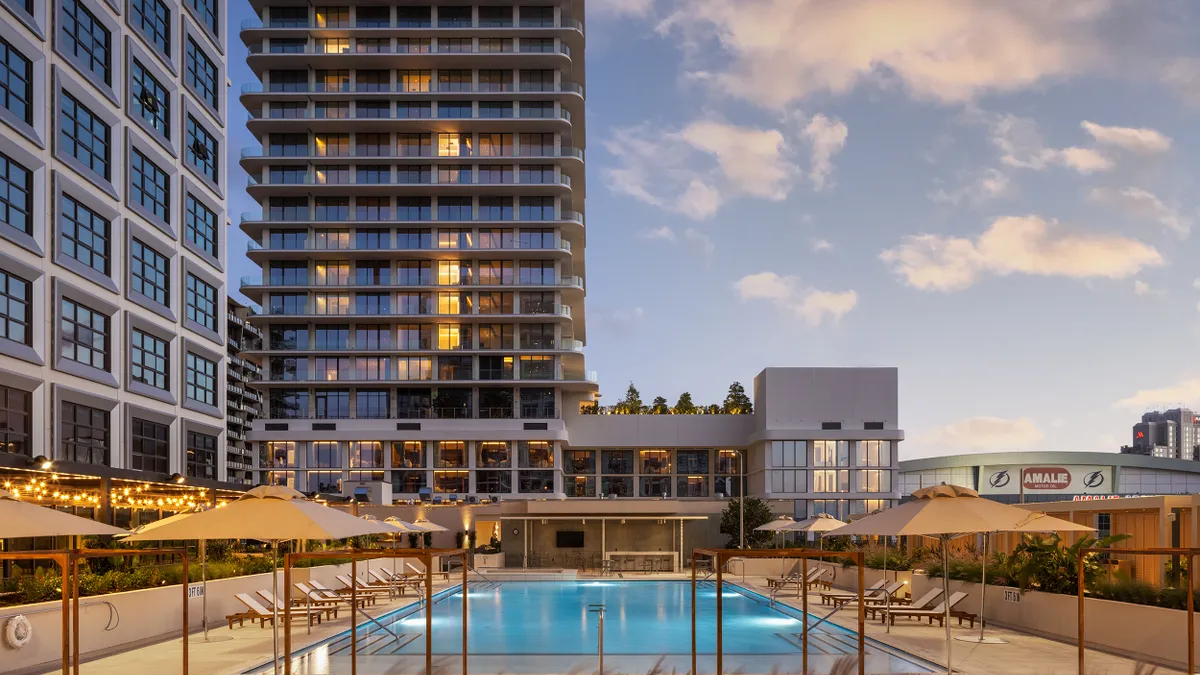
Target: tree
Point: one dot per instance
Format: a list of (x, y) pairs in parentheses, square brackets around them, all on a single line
[(757, 515), (660, 407), (684, 405), (631, 404), (736, 401), (589, 408), (713, 409)]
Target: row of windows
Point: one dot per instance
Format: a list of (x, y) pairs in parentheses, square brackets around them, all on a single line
[(365, 45), (481, 144), (830, 453), (452, 482), (289, 337), (410, 304), (380, 273), (407, 454), (652, 462), (408, 16), (333, 209), (342, 239), (414, 174), (86, 235), (413, 403), (335, 368), (409, 81), (371, 109), (831, 480)]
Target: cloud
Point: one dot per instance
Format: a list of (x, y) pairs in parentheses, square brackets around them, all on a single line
[(1142, 141), (820, 245), (789, 294), (1143, 289), (980, 187), (695, 170), (623, 7), (700, 239), (664, 233), (1196, 283), (1021, 146), (690, 235), (1184, 392), (1182, 77), (1141, 203), (776, 52), (827, 138), (987, 433), (1028, 245)]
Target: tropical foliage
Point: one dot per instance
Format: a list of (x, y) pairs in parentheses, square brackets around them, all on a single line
[(757, 515), (737, 402)]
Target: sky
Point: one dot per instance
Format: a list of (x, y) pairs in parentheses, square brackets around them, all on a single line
[(997, 198)]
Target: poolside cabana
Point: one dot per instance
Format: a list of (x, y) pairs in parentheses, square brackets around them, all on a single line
[(601, 537)]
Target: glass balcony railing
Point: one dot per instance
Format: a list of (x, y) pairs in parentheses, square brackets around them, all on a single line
[(257, 153), (314, 180), (257, 23), (253, 246), (326, 49), (257, 281), (467, 88)]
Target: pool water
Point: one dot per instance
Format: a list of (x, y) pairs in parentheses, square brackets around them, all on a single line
[(545, 627)]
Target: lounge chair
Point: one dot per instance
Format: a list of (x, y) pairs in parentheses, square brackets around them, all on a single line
[(364, 587), (330, 611), (924, 602), (264, 615), (792, 577), (828, 596), (813, 576), (398, 582), (939, 612), (345, 593), (818, 580), (421, 572), (321, 598), (877, 596)]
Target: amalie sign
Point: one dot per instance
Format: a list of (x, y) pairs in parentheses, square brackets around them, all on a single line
[(1013, 479), (1046, 478)]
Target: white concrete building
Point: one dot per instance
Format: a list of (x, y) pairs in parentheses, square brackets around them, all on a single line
[(112, 237)]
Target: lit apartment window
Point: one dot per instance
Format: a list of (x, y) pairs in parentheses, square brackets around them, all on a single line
[(150, 360), (151, 101), (333, 17), (86, 40), (413, 81), (16, 310), (412, 45), (85, 136), (153, 19), (16, 195), (16, 82)]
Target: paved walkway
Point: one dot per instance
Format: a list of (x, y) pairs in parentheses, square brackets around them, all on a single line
[(1024, 653)]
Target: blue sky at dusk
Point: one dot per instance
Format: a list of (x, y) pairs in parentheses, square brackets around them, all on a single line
[(999, 198)]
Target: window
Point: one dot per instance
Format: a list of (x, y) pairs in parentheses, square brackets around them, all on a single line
[(413, 145), (86, 137), (333, 337), (151, 447), (333, 404), (537, 45), (413, 17), (16, 195), (788, 480), (151, 100), (201, 303), (371, 404), (874, 453), (16, 311), (495, 303), (495, 109), (537, 145), (413, 110), (789, 453), (202, 74), (372, 337), (16, 82), (831, 453), (454, 17), (414, 239), (537, 303), (692, 461), (373, 109), (153, 18), (535, 482), (414, 368), (455, 46), (874, 480), (455, 110), (454, 145), (454, 80), (537, 17), (536, 272), (537, 173), (83, 37), (831, 480), (537, 367), (16, 407), (150, 186), (495, 80), (288, 369), (201, 380), (150, 360), (334, 110), (202, 149), (496, 208), (495, 17), (333, 17), (288, 81), (373, 17), (537, 239), (288, 404), (85, 235), (495, 145), (537, 80), (331, 209), (151, 272), (84, 434), (207, 11), (201, 455), (412, 45), (413, 81), (201, 226)]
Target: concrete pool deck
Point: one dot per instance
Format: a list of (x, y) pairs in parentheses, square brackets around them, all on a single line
[(237, 650)]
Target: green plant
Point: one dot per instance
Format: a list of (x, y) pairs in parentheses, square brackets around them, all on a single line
[(875, 556), (459, 537), (757, 515), (736, 401), (412, 539), (471, 537), (428, 539), (1124, 589)]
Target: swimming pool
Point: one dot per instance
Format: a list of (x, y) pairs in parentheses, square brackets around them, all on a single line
[(543, 627)]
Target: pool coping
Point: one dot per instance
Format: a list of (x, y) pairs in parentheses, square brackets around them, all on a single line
[(400, 612)]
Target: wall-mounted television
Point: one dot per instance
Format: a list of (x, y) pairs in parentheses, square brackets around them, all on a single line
[(569, 539)]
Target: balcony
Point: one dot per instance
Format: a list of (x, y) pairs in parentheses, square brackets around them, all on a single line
[(307, 312), (256, 23), (518, 114), (316, 49), (255, 247), (258, 154), (256, 88), (311, 179), (526, 412), (252, 282)]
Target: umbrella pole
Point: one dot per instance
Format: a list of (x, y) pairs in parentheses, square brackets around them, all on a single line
[(946, 596), (887, 599), (204, 585), (275, 605), (982, 605)]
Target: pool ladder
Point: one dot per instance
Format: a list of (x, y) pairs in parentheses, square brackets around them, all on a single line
[(599, 610)]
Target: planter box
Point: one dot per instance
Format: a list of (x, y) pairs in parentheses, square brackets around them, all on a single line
[(485, 561)]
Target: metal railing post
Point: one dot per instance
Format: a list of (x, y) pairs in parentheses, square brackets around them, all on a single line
[(599, 611)]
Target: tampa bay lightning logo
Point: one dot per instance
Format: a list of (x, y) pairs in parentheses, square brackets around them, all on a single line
[(999, 479), (1094, 479)]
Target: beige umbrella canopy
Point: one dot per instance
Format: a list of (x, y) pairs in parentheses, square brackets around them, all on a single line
[(30, 519), (427, 526), (820, 523), (948, 511), (271, 513), (403, 525), (779, 523)]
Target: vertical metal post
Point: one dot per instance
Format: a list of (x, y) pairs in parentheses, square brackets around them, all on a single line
[(464, 619), (74, 581), (694, 614), (1079, 589), (353, 614), (804, 606), (600, 639), (204, 584), (1191, 609), (428, 560), (64, 562), (720, 563), (862, 613), (185, 611), (287, 597)]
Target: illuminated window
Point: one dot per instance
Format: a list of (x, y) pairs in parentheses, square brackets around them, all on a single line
[(333, 17), (451, 454), (413, 81), (454, 145)]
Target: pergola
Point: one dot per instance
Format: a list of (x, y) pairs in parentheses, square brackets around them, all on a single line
[(425, 555), (720, 556)]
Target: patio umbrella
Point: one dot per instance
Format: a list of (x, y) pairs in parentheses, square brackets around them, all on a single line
[(776, 525), (272, 513), (820, 523), (427, 526), (946, 512), (30, 519)]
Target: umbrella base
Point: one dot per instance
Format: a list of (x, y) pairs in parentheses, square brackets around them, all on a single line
[(981, 640), (200, 639)]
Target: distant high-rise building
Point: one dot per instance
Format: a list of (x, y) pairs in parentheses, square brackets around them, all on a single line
[(1171, 433), (242, 401)]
